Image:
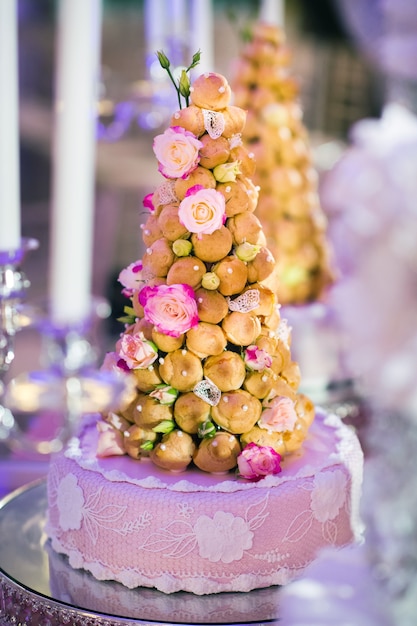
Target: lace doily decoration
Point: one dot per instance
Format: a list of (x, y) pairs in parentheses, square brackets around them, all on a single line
[(208, 391), (213, 123), (284, 332), (166, 192), (235, 141), (245, 302)]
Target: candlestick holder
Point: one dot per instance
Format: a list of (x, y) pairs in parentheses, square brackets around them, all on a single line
[(69, 387), (14, 314)]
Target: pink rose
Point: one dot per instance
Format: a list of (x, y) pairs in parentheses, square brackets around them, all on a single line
[(110, 362), (110, 441), (255, 461), (177, 152), (165, 394), (203, 210), (279, 416), (137, 352), (257, 358), (147, 202), (172, 309), (131, 278)]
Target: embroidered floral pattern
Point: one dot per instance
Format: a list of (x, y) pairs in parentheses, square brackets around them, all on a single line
[(76, 510), (70, 503), (223, 537), (328, 496), (232, 537)]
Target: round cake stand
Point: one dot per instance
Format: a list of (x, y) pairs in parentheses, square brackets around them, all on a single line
[(39, 587)]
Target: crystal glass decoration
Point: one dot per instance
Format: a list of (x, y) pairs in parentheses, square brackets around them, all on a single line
[(68, 387), (14, 314)]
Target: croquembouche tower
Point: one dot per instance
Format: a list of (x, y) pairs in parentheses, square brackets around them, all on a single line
[(216, 394), (288, 206), (218, 357)]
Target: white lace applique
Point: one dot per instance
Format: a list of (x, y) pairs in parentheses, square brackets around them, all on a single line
[(76, 510), (328, 496), (208, 391), (235, 141), (166, 192), (284, 332), (246, 302), (234, 535), (213, 123)]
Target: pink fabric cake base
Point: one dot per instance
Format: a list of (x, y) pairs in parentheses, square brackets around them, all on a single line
[(131, 522)]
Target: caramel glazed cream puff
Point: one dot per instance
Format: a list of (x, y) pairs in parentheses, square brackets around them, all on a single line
[(205, 345)]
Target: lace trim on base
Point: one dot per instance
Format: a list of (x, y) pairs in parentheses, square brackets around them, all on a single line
[(167, 583)]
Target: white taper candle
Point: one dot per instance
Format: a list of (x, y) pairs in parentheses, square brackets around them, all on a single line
[(272, 11), (77, 81), (9, 129), (202, 35)]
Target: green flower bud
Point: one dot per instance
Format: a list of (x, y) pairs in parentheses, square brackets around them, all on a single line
[(166, 426), (206, 430), (227, 172), (247, 251), (163, 60), (182, 247), (184, 84), (210, 281), (195, 61)]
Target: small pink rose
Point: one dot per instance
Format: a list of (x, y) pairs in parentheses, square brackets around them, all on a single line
[(165, 394), (255, 461), (203, 211), (137, 352), (257, 359), (110, 362), (110, 441), (279, 416), (147, 202), (177, 151), (131, 278), (172, 309)]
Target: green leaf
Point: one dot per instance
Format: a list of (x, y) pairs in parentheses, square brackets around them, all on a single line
[(147, 445), (126, 319), (166, 426)]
